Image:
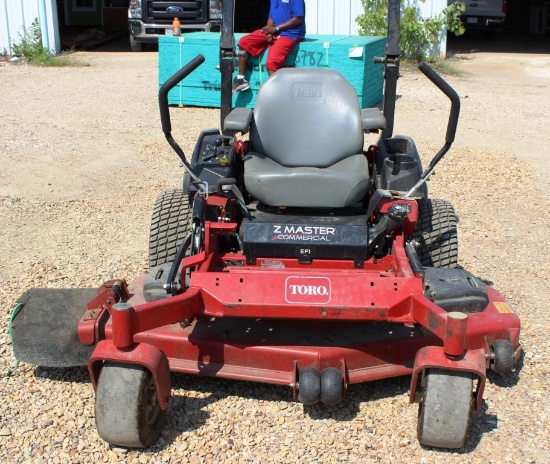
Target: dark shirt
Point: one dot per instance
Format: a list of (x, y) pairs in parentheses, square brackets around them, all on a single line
[(283, 10)]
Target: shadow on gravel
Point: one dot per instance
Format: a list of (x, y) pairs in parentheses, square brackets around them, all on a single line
[(507, 380), (357, 394), (480, 424), (188, 413), (216, 389), (63, 374)]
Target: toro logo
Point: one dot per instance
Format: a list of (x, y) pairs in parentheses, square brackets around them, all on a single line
[(315, 290)]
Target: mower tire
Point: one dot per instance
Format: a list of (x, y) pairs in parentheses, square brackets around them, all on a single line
[(503, 357), (436, 234), (309, 385), (127, 411), (444, 411), (170, 225), (332, 386)]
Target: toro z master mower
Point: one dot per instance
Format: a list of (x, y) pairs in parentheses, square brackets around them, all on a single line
[(295, 258)]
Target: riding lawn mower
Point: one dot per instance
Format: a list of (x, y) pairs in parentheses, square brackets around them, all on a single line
[(288, 256)]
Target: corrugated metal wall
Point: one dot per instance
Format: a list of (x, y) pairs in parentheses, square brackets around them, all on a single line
[(17, 15), (333, 16), (338, 17)]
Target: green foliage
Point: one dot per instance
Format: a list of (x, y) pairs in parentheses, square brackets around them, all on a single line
[(417, 35), (30, 44)]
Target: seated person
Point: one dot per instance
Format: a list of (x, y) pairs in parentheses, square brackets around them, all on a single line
[(284, 29)]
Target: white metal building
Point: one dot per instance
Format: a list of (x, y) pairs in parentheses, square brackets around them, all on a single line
[(18, 15), (333, 16)]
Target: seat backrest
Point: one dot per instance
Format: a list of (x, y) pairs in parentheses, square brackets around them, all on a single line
[(307, 117)]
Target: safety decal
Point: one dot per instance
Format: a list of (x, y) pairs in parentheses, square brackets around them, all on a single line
[(503, 307)]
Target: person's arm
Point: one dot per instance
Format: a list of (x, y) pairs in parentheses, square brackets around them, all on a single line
[(270, 28)]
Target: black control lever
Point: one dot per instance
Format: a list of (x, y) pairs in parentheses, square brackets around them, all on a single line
[(453, 96), (169, 85), (452, 123), (218, 142), (165, 110)]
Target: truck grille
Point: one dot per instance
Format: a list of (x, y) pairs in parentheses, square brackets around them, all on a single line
[(185, 11)]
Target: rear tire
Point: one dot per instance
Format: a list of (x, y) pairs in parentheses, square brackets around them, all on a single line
[(436, 233), (444, 413), (127, 412), (170, 225)]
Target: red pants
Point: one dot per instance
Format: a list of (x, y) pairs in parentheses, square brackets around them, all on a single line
[(256, 42)]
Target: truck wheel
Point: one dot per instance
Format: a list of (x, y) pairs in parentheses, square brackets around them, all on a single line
[(444, 411), (135, 46), (436, 233), (170, 225), (127, 412)]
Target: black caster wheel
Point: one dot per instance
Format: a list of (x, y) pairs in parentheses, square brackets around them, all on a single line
[(503, 356), (332, 386), (309, 385)]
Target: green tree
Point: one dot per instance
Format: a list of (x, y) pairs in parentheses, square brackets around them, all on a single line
[(417, 35)]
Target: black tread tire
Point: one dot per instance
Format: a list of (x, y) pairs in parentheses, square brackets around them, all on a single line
[(504, 360), (170, 225), (436, 233), (444, 413), (309, 385), (332, 386), (127, 412)]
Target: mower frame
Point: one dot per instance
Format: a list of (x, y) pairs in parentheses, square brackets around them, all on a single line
[(314, 325)]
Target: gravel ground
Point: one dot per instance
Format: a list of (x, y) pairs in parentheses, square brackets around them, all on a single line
[(83, 159)]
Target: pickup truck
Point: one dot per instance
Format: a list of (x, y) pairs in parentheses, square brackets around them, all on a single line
[(484, 14), (150, 19)]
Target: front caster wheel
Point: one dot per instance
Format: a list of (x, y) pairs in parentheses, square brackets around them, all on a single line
[(444, 411), (127, 411)]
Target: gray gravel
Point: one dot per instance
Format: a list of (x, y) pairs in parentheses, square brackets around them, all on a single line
[(83, 159)]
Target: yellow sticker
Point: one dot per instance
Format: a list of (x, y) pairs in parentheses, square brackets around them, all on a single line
[(503, 307)]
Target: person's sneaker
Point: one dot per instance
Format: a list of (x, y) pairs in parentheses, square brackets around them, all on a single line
[(240, 84)]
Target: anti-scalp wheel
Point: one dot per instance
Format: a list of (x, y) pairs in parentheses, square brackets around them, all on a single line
[(309, 385), (503, 356), (332, 386)]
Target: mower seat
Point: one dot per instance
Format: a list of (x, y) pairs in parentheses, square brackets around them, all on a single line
[(306, 141)]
